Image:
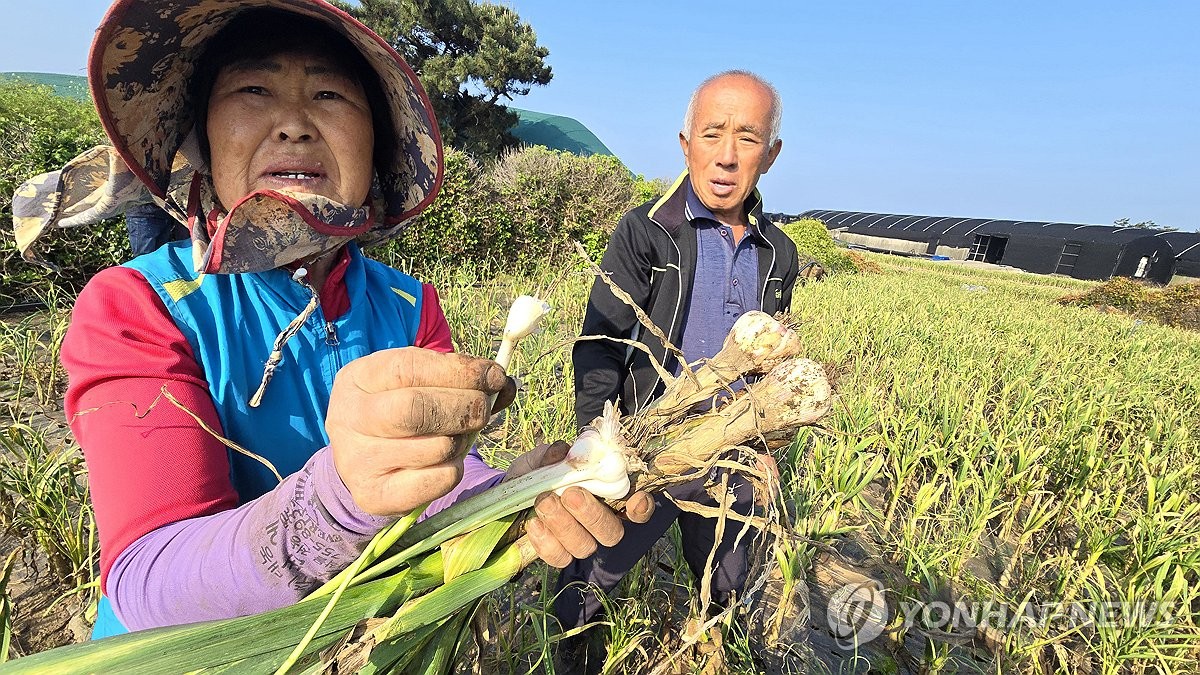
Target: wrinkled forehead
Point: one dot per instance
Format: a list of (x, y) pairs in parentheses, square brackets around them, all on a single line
[(741, 101)]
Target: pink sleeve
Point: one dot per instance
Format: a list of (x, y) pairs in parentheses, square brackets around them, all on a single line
[(149, 462), (434, 331)]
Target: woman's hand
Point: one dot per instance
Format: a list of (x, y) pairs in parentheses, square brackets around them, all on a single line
[(397, 421), (573, 525)]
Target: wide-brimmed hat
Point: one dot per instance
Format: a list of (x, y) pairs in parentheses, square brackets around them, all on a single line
[(144, 57)]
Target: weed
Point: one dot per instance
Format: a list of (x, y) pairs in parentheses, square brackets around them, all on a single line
[(43, 500)]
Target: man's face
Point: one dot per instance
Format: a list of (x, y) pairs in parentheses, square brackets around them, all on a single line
[(728, 149)]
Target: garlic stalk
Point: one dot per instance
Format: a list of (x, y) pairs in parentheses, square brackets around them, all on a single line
[(524, 317), (598, 461), (757, 343)]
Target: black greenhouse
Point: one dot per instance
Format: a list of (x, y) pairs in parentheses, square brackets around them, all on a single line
[(1080, 251)]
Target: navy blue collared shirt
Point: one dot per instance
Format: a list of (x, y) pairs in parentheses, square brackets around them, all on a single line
[(725, 285)]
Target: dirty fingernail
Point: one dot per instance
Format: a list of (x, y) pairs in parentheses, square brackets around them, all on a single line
[(494, 377)]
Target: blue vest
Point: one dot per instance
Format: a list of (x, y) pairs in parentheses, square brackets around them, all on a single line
[(231, 321)]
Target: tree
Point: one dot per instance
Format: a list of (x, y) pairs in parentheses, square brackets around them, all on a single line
[(469, 56), (1144, 225)]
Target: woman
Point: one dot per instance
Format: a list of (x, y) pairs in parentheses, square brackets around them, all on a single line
[(283, 133)]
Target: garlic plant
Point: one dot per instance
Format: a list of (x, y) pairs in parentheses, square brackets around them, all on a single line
[(794, 393), (757, 343)]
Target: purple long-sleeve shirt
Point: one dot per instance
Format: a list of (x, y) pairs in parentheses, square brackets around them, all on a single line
[(265, 554)]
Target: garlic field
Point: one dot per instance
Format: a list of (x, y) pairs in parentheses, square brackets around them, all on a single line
[(1020, 477), (1013, 482)]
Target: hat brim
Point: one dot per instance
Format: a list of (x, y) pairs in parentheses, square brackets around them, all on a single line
[(144, 56)]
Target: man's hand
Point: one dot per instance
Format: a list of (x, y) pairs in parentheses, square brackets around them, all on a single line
[(397, 420), (765, 463), (573, 525)]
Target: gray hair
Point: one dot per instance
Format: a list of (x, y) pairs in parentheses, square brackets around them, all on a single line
[(776, 103)]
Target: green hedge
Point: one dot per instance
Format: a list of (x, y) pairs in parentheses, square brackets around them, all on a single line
[(1177, 306), (814, 243), (529, 205)]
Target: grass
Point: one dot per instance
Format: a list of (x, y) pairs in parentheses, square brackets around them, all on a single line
[(43, 501), (6, 607), (43, 481), (1067, 434), (990, 446), (29, 351)]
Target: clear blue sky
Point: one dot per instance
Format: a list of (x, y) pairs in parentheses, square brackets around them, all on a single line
[(1069, 111)]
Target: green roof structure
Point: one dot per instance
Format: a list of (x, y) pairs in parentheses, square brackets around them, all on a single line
[(557, 133), (533, 128)]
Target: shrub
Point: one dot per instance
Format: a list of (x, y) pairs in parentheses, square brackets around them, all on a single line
[(41, 132), (527, 206), (814, 243), (454, 227), (647, 190), (1177, 306), (552, 198)]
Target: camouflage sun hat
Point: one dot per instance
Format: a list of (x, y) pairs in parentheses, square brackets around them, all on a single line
[(145, 54), (141, 70)]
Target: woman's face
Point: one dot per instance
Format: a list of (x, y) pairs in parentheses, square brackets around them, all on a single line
[(290, 122)]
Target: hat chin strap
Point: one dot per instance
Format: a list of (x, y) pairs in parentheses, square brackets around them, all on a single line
[(267, 229)]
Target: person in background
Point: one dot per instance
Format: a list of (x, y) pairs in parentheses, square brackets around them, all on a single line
[(694, 260), (285, 135), (149, 227)]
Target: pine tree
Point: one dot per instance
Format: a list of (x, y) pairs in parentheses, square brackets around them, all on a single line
[(469, 56)]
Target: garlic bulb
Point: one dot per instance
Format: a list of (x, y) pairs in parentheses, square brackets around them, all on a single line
[(598, 459), (764, 340), (524, 317)]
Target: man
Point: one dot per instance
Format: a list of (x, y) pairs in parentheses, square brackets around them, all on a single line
[(694, 261)]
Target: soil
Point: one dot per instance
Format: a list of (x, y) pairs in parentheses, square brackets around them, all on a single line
[(47, 612)]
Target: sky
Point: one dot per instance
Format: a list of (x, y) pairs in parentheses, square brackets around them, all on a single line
[(1067, 111)]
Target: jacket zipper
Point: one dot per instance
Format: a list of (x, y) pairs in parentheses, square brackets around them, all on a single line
[(762, 301), (331, 341), (330, 330), (674, 315)]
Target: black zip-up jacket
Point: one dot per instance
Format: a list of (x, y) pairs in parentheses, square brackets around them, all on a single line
[(652, 257)]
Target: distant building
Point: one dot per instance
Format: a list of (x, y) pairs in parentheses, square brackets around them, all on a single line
[(1079, 251)]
